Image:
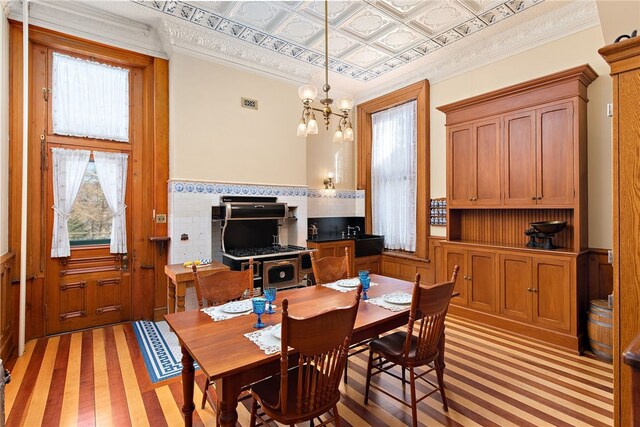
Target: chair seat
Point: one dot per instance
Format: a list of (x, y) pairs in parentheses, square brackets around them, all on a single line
[(267, 392), (392, 347)]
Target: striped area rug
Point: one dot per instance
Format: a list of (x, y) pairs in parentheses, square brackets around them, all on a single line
[(160, 349)]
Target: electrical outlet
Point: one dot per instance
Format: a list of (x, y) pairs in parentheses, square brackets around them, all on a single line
[(609, 110), (610, 256), (161, 218)]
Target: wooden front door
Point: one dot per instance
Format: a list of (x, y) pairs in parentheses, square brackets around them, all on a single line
[(92, 286)]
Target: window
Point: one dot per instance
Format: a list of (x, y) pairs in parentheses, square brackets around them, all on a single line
[(90, 219), (418, 92), (393, 176), (89, 99)]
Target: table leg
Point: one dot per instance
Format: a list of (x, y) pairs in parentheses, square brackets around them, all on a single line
[(171, 296), (188, 377), (181, 287), (228, 392)]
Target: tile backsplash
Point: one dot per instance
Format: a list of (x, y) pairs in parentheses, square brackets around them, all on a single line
[(190, 206)]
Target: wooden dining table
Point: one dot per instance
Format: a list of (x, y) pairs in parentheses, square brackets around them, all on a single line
[(232, 361)]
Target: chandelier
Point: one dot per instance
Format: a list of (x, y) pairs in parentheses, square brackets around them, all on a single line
[(308, 124)]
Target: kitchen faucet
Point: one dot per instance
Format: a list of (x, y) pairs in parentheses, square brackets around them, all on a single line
[(350, 229)]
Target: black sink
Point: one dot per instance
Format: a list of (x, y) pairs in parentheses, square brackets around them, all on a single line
[(369, 244)]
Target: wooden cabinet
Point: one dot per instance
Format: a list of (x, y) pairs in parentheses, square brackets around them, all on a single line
[(624, 59), (474, 175), (536, 289), (334, 248), (371, 263), (476, 281), (538, 157)]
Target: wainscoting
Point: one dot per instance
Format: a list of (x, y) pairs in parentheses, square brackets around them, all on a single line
[(98, 377)]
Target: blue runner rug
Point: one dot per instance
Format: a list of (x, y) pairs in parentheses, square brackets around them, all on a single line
[(160, 349)]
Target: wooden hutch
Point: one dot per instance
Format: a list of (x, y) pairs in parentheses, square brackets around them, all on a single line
[(515, 156)]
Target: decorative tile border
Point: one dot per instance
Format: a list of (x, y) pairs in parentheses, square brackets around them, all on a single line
[(260, 190), (235, 189)]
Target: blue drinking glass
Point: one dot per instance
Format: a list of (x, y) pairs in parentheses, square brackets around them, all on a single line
[(258, 308), (270, 295), (365, 281)]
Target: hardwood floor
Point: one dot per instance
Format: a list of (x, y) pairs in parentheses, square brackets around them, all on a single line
[(98, 378)]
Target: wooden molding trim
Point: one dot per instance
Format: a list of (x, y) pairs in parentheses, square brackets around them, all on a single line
[(584, 73), (419, 92), (622, 56)]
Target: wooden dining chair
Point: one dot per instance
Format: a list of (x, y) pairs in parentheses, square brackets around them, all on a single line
[(408, 350), (219, 288), (308, 387), (329, 269)]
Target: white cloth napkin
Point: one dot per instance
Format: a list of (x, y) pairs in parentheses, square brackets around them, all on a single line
[(380, 301), (352, 284), (265, 339), (217, 313)]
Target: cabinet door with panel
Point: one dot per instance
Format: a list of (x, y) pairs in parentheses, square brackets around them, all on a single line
[(486, 182), (461, 170), (481, 280), (333, 249), (555, 153), (516, 277), (453, 257), (552, 293), (519, 158)]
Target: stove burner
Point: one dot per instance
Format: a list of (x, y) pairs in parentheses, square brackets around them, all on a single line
[(271, 250)]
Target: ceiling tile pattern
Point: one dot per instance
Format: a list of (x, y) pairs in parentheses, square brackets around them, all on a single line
[(366, 39)]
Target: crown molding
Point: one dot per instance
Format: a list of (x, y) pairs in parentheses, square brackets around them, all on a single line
[(224, 49), (556, 24), (4, 5), (75, 19)]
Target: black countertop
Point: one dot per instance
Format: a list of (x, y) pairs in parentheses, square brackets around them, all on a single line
[(329, 237)]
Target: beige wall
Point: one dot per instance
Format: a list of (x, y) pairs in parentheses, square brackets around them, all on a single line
[(211, 138), (618, 17), (577, 49), (4, 132)]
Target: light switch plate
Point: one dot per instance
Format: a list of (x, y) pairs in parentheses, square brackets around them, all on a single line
[(610, 256), (609, 110), (161, 218)]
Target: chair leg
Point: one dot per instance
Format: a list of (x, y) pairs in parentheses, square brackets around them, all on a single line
[(204, 394), (368, 382), (440, 375), (336, 419), (254, 412), (414, 405), (404, 377), (346, 365)]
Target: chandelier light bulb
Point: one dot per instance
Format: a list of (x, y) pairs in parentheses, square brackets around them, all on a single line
[(348, 134), (312, 126), (302, 129), (307, 92), (345, 104)]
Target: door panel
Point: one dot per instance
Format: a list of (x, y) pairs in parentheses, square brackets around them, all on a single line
[(520, 159), (551, 301), (482, 281), (515, 281), (452, 258), (487, 144), (462, 170), (555, 154)]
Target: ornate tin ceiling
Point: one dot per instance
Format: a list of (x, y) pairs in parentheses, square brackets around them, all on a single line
[(366, 38)]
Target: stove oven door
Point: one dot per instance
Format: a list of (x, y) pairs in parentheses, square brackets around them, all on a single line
[(281, 273)]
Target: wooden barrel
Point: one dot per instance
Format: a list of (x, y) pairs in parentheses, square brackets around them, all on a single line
[(600, 329)]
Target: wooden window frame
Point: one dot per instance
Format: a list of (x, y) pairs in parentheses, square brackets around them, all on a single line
[(420, 93)]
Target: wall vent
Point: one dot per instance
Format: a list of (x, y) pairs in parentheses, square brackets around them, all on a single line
[(249, 103)]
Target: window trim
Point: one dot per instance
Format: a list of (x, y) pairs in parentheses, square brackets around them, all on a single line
[(420, 93)]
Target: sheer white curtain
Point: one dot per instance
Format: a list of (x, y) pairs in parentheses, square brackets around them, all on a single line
[(393, 176), (90, 99), (112, 174), (69, 167)]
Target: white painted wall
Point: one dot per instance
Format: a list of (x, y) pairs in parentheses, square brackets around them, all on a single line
[(211, 138), (577, 49), (4, 132)]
